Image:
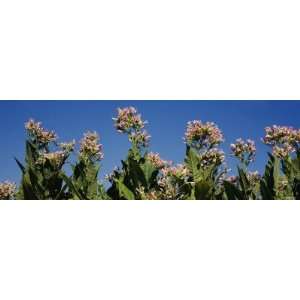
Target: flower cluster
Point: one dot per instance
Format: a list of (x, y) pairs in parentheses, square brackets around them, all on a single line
[(253, 177), (7, 190), (67, 147), (140, 138), (201, 135), (128, 119), (151, 195), (170, 181), (244, 150), (38, 133), (211, 157), (179, 171), (284, 140), (282, 185), (168, 188), (284, 151), (130, 122), (111, 176), (155, 159), (280, 135), (56, 158), (90, 147)]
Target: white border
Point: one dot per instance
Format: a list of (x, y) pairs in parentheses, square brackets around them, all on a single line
[(149, 250), (163, 49)]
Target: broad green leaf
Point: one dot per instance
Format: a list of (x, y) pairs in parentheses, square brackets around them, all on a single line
[(124, 191), (193, 163)]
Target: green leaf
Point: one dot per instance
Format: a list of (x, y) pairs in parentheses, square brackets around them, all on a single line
[(270, 179), (20, 165), (202, 190), (72, 187), (150, 173), (136, 174), (28, 191), (193, 163), (232, 192), (124, 191)]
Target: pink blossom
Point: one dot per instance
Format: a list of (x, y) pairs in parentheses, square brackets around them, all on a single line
[(140, 138), (128, 119), (211, 157), (201, 135), (244, 150), (130, 122), (7, 190), (90, 147), (284, 140), (155, 159), (38, 133)]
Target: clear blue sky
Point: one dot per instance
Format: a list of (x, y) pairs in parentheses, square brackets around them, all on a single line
[(167, 121)]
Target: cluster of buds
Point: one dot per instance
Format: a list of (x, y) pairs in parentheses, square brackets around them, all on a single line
[(111, 176), (130, 122), (90, 147), (56, 158), (253, 177), (155, 159), (67, 147), (38, 133), (285, 140), (201, 135), (281, 135), (282, 185), (168, 188), (178, 171), (128, 119), (140, 138), (211, 157), (284, 151), (244, 150), (7, 190), (151, 195)]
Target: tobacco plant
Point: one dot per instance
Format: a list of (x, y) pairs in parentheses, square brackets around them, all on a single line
[(42, 173), (143, 174)]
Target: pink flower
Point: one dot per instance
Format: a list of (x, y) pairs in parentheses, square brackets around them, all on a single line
[(283, 151), (280, 135), (130, 122), (253, 177), (201, 135), (244, 150), (7, 190), (90, 147), (211, 157), (179, 171), (128, 119), (67, 147), (140, 138), (38, 133), (56, 158), (155, 159), (284, 140)]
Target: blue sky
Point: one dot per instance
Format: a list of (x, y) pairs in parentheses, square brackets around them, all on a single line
[(167, 122)]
